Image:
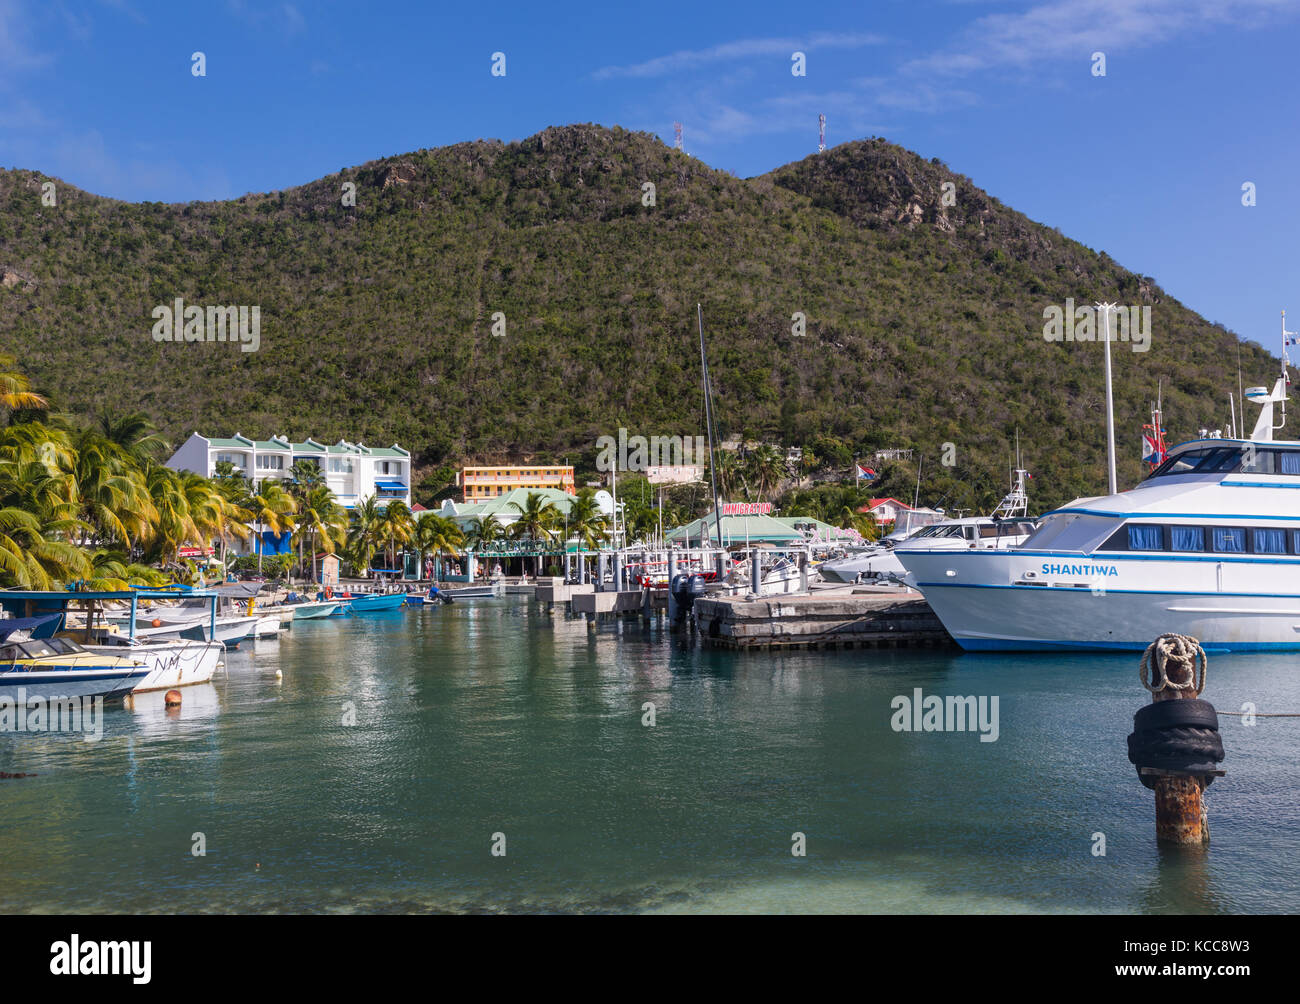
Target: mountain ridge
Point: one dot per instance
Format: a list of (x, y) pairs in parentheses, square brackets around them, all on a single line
[(923, 320)]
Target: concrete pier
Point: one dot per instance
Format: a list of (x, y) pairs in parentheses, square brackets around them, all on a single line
[(826, 619), (627, 601)]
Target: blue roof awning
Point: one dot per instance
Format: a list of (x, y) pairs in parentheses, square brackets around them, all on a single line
[(391, 486)]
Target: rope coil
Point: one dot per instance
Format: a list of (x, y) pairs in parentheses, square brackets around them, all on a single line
[(1179, 651)]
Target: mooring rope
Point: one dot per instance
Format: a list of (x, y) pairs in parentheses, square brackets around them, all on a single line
[(1180, 650)]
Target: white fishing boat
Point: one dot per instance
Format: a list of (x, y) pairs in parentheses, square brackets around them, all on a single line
[(178, 663), (497, 588), (1208, 546), (314, 610)]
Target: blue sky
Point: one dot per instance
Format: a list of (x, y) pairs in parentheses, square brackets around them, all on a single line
[(1146, 163)]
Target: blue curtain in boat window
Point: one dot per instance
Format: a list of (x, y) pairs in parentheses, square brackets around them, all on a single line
[(1144, 538), (1188, 538), (1289, 462), (1229, 539), (1269, 541)]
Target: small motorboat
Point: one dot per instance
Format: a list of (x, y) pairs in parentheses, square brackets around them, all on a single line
[(58, 668), (369, 603), (176, 663)]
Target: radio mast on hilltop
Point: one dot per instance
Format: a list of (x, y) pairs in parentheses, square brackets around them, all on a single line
[(821, 133), (677, 136)]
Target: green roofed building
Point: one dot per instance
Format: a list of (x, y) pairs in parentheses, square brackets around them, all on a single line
[(736, 530)]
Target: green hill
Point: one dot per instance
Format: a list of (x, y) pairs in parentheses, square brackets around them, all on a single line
[(924, 321)]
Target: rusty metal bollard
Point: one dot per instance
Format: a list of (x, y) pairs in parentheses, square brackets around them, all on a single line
[(1175, 743)]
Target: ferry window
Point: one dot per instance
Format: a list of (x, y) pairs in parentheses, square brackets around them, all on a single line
[(1295, 541), (1188, 538), (1144, 538), (1229, 539), (970, 533), (1219, 461), (1258, 461), (1181, 464), (1288, 463), (1269, 541), (991, 530)]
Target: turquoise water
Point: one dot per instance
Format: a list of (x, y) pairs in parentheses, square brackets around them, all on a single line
[(492, 716)]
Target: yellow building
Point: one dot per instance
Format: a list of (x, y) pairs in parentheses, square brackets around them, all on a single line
[(479, 483)]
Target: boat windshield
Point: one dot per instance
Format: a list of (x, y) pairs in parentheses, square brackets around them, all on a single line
[(1247, 459)]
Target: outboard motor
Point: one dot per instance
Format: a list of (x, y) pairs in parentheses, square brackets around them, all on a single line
[(686, 589)]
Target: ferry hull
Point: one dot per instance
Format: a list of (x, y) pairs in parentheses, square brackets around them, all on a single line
[(986, 605)]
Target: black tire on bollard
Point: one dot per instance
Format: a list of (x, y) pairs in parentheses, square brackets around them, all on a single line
[(1172, 714)]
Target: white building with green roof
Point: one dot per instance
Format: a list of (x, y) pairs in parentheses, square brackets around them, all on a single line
[(352, 471)]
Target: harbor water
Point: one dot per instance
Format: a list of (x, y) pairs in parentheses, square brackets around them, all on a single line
[(395, 751)]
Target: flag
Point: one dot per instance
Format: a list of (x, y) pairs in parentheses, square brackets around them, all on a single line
[(1151, 451), (865, 473)]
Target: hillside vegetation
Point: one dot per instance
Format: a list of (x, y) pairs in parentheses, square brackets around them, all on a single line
[(924, 321)]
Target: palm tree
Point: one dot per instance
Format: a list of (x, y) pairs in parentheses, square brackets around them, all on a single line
[(112, 571), (437, 534), (730, 471), (15, 389), (37, 521), (133, 434), (766, 467), (586, 521), (322, 523), (536, 523), (305, 476), (112, 496), (395, 527), (363, 533), (484, 531), (273, 509)]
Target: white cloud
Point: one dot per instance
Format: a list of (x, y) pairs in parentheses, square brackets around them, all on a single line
[(750, 48), (1072, 29), (18, 53)]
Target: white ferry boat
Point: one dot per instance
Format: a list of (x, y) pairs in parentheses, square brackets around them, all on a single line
[(1208, 546)]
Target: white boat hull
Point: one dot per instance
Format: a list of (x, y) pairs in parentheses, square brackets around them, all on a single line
[(174, 664), (1108, 600), (24, 687)]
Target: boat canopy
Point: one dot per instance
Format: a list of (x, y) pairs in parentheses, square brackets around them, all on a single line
[(29, 626)]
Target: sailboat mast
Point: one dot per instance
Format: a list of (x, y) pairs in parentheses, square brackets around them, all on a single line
[(708, 424)]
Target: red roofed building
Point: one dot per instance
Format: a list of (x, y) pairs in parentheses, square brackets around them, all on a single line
[(886, 510)]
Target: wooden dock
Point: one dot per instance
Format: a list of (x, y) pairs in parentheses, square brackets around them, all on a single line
[(822, 619)]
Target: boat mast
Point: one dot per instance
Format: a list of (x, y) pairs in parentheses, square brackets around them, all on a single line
[(1106, 308), (708, 423)]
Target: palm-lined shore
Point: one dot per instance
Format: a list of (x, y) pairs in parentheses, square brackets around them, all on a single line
[(90, 504)]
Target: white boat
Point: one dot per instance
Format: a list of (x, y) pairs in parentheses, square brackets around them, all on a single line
[(58, 669), (266, 625), (496, 588), (313, 610), (1007, 526), (230, 631), (178, 663), (1208, 546)]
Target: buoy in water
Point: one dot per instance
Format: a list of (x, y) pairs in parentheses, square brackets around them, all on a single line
[(172, 699)]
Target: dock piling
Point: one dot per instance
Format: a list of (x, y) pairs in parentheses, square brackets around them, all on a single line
[(1175, 744)]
